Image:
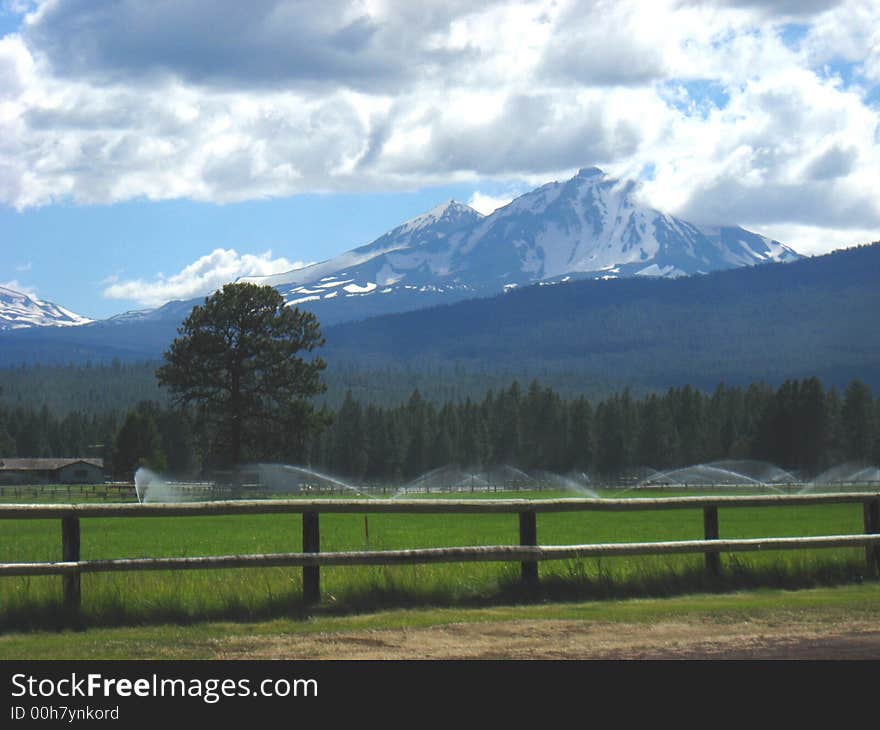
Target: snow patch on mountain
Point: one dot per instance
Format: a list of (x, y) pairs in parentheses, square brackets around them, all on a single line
[(21, 311)]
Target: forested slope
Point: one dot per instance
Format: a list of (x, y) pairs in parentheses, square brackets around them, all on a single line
[(772, 322)]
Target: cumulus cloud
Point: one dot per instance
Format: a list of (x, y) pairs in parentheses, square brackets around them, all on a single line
[(609, 44), (266, 43), (787, 148), (113, 101), (852, 34), (200, 278), (523, 134)]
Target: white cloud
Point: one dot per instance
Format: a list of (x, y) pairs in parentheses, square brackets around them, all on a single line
[(738, 124), (788, 148), (608, 44), (487, 204), (200, 278), (813, 240), (852, 33)]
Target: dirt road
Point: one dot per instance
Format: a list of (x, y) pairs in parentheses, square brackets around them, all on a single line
[(556, 639)]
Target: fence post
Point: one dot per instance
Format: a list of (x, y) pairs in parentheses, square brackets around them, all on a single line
[(311, 544), (70, 554), (528, 535), (710, 530), (872, 527)]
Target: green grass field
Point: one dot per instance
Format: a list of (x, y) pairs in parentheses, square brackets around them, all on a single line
[(189, 596), (820, 608)]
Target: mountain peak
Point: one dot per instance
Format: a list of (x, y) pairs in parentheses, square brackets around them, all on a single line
[(589, 172), (20, 311), (451, 205), (451, 211)]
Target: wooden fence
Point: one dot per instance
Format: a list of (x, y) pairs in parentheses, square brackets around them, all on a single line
[(528, 552), (106, 491)]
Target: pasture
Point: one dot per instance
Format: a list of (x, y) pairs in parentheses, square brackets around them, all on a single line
[(249, 594)]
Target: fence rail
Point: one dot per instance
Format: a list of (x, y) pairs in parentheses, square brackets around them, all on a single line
[(420, 506), (528, 553)]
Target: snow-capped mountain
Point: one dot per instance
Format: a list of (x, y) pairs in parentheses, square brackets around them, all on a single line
[(411, 257), (176, 311), (592, 225), (20, 311), (588, 227)]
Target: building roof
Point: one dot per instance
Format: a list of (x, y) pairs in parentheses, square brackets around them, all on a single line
[(45, 464)]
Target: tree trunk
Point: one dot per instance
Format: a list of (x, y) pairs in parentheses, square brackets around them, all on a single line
[(235, 403)]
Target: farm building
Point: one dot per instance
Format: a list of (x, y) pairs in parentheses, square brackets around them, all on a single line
[(51, 471)]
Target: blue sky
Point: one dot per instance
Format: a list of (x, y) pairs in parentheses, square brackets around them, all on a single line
[(70, 253), (151, 151)]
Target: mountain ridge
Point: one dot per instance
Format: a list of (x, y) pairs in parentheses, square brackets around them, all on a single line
[(589, 226), (769, 322), (815, 316), (19, 310)]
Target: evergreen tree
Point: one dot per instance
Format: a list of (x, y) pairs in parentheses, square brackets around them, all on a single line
[(857, 421), (444, 452), (138, 443), (351, 440), (31, 438), (689, 422), (416, 460), (236, 361), (580, 435), (474, 446), (798, 425), (735, 427), (834, 451), (507, 426), (7, 443), (812, 426), (611, 438), (657, 437), (175, 427), (876, 455)]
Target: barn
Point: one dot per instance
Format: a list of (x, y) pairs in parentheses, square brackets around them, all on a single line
[(51, 471)]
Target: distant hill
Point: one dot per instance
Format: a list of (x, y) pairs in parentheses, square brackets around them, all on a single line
[(815, 316), (809, 317), (97, 342)]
